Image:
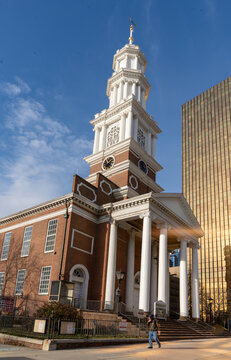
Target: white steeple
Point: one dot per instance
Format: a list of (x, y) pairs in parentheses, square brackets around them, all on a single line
[(126, 124)]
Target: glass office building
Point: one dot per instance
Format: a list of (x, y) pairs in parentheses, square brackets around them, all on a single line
[(206, 157)]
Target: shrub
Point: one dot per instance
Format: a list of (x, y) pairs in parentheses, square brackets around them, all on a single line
[(57, 311)]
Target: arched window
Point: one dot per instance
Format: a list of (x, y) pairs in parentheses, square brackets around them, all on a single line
[(79, 275)]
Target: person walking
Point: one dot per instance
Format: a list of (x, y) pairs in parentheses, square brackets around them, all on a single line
[(152, 331)]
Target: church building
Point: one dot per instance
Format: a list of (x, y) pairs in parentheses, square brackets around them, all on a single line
[(114, 226)]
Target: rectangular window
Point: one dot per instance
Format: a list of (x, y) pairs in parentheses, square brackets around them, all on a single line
[(20, 282), (26, 241), (2, 274), (44, 280), (51, 234), (6, 246)]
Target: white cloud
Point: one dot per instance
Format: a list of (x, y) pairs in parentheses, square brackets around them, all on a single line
[(41, 156), (14, 89), (10, 89)]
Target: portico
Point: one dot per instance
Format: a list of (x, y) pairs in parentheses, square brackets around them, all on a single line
[(150, 219)]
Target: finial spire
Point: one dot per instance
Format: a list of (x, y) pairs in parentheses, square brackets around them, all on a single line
[(131, 31)]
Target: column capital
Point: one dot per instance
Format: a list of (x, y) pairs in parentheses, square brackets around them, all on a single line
[(182, 238), (113, 222), (195, 246), (163, 225), (147, 214)]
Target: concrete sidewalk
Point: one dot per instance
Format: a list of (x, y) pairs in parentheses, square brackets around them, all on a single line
[(212, 349)]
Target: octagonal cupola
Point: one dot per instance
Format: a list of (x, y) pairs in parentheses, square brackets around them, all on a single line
[(128, 78)]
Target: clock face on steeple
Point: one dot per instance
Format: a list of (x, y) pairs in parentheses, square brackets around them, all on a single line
[(143, 166), (108, 162)]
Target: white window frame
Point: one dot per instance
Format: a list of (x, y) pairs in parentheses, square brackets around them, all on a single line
[(77, 248), (19, 282), (2, 278), (42, 280), (6, 246), (26, 242), (48, 235)]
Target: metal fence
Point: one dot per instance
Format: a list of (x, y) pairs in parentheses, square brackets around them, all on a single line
[(80, 328)]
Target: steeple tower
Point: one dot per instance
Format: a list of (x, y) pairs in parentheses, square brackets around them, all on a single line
[(125, 134)]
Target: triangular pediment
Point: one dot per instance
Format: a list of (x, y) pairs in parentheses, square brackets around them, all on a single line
[(177, 203)]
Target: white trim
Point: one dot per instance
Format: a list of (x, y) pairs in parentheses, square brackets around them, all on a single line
[(132, 177), (122, 146), (1, 285), (17, 293), (51, 204), (89, 188), (34, 220), (89, 236), (109, 185), (24, 239), (8, 232), (128, 165), (46, 266), (49, 251), (86, 280), (83, 213), (124, 191)]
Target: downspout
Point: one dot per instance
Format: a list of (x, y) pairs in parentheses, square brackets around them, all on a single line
[(66, 216)]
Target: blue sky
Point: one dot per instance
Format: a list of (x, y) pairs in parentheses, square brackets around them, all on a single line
[(55, 59)]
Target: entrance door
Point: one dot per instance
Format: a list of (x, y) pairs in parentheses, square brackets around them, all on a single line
[(79, 276), (78, 288)]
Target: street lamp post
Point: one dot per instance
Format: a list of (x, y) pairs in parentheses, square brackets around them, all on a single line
[(119, 276), (210, 300)]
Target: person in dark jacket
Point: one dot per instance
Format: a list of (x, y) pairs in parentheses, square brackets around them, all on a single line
[(152, 331)]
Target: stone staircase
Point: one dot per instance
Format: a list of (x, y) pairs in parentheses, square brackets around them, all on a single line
[(182, 330), (170, 329)]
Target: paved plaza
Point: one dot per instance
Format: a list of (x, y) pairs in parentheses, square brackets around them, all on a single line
[(212, 349)]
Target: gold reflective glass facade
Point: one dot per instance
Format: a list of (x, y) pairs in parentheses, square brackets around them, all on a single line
[(206, 147)]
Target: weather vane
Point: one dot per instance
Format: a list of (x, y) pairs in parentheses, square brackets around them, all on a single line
[(131, 31)]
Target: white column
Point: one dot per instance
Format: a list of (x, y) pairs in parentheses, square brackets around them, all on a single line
[(139, 93), (119, 92), (195, 285), (122, 127), (96, 140), (143, 103), (130, 272), (102, 138), (115, 95), (136, 63), (128, 130), (135, 128), (149, 143), (126, 61), (134, 88), (162, 273), (126, 90), (117, 66), (167, 285), (112, 97), (153, 290), (183, 279), (145, 266), (153, 146), (111, 267)]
